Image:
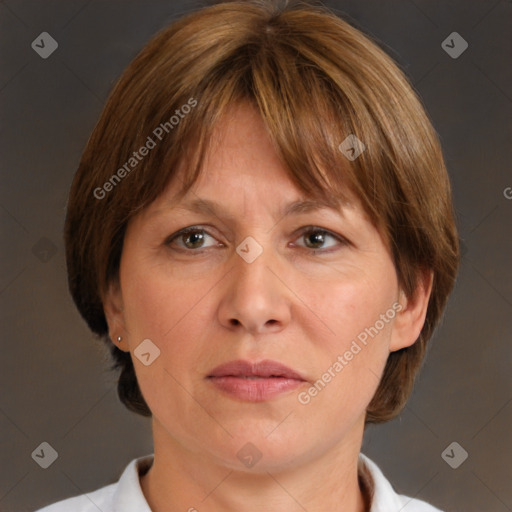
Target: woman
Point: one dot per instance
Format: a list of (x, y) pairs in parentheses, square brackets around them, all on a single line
[(261, 228)]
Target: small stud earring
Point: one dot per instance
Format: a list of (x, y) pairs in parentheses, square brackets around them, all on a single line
[(119, 339)]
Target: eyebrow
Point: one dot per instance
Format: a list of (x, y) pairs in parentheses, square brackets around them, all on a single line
[(300, 206)]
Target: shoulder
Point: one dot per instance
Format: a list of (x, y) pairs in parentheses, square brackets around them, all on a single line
[(384, 497), (125, 495), (90, 502)]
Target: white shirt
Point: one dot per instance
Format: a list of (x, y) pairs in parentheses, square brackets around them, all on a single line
[(126, 495)]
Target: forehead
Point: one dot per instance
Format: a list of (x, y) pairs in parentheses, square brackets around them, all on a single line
[(241, 159)]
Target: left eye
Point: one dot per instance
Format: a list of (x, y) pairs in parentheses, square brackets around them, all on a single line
[(316, 238)]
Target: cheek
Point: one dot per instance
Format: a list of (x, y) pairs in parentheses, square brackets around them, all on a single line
[(348, 304), (361, 314), (155, 300), (172, 311)]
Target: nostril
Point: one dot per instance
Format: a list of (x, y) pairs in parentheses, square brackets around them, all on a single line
[(234, 321)]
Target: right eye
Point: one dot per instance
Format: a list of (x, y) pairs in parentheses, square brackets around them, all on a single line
[(190, 239)]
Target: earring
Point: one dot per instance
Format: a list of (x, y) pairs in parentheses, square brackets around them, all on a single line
[(119, 339)]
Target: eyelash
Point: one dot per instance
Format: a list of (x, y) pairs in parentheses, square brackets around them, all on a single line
[(305, 231)]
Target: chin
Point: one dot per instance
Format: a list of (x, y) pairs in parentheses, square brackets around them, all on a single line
[(259, 451)]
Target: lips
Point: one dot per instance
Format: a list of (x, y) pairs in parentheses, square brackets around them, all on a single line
[(264, 370), (255, 382)]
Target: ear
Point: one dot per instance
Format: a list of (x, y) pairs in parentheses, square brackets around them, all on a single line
[(114, 313), (411, 317)]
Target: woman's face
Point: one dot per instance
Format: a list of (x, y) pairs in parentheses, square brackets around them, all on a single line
[(314, 290)]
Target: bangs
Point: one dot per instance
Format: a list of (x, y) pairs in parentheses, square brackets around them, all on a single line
[(306, 113)]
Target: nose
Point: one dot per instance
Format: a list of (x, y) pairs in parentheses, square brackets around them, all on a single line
[(255, 298)]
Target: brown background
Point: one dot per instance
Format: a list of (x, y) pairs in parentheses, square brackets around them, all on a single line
[(54, 382)]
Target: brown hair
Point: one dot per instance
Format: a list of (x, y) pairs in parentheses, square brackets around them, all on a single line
[(314, 79)]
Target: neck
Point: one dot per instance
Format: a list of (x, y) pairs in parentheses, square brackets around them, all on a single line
[(182, 480)]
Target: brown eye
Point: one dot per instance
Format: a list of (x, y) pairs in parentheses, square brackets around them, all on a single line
[(192, 238), (317, 238), (314, 239)]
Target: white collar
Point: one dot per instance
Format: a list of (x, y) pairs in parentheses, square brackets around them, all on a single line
[(128, 495)]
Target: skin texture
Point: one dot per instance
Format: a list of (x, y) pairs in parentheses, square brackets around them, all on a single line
[(301, 302)]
